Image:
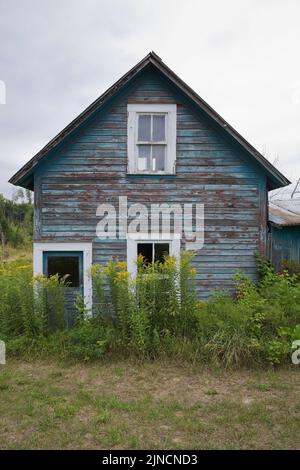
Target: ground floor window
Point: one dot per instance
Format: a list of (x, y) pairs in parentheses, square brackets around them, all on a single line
[(152, 250)]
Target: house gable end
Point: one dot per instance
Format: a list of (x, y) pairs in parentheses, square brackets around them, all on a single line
[(24, 177)]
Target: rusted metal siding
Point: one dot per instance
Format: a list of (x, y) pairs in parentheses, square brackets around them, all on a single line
[(90, 169)]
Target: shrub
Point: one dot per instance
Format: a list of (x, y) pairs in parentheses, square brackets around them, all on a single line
[(160, 302), (16, 300), (225, 332), (85, 342), (155, 314), (29, 306), (292, 267)]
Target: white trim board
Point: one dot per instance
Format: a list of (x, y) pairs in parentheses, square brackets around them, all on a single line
[(87, 250)]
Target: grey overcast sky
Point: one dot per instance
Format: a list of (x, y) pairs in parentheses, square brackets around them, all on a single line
[(57, 56)]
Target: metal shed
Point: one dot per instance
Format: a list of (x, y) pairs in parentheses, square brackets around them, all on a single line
[(284, 235)]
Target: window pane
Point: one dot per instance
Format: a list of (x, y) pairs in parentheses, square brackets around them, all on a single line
[(160, 251), (146, 250), (63, 265), (144, 157), (144, 131), (158, 128), (158, 155)]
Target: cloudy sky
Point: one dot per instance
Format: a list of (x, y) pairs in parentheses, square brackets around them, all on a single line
[(242, 57)]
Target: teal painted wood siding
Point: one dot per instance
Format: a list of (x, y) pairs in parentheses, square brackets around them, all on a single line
[(90, 169), (284, 244)]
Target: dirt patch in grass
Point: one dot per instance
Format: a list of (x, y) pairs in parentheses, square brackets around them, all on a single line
[(125, 405)]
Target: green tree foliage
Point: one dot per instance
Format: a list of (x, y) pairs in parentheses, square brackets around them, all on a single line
[(16, 220)]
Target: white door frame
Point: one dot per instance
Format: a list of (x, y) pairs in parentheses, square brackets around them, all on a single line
[(87, 249)]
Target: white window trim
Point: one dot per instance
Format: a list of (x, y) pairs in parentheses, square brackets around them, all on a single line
[(134, 239), (87, 250), (133, 110)]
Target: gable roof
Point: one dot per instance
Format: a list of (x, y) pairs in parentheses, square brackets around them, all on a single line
[(24, 177)]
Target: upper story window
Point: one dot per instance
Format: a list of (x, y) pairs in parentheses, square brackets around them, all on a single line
[(151, 138)]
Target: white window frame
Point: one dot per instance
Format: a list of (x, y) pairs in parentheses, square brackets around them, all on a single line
[(132, 128), (134, 238), (85, 248)]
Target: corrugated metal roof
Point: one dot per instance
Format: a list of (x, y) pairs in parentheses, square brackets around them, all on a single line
[(284, 213), (292, 191)]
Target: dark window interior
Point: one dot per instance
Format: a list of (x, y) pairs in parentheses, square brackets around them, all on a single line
[(146, 250), (63, 265), (153, 251), (161, 250)]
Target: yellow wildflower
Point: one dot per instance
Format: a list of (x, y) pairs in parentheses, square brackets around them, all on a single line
[(122, 276), (170, 262), (95, 269), (20, 268), (200, 305), (122, 265)]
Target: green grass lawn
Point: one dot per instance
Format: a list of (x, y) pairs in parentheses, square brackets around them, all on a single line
[(46, 405)]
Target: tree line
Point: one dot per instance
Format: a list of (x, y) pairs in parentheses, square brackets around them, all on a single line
[(16, 219)]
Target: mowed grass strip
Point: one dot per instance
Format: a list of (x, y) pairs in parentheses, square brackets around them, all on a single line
[(126, 405)]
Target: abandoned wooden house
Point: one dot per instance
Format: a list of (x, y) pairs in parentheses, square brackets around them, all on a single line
[(150, 138)]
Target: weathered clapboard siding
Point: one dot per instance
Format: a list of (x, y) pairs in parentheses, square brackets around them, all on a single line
[(90, 169)]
